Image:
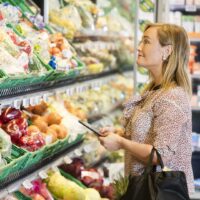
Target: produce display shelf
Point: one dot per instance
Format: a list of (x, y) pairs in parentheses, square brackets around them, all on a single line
[(99, 162), (49, 85), (22, 173), (97, 117), (185, 8)]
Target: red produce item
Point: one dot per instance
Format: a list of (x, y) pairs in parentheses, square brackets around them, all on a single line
[(107, 192), (10, 114), (13, 37), (16, 128), (25, 46), (32, 142), (74, 168), (39, 191), (87, 180)]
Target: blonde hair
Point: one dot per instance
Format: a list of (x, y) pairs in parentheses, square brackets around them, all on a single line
[(175, 67)]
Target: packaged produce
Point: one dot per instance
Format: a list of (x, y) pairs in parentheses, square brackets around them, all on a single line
[(15, 124), (38, 191)]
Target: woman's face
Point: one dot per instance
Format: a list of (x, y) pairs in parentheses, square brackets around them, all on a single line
[(150, 52)]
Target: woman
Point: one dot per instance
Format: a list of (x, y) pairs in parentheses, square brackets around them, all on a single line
[(161, 116)]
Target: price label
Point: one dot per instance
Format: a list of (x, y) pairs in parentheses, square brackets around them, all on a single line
[(27, 184), (88, 148), (67, 92), (67, 160), (17, 104), (45, 97), (78, 152), (43, 175), (190, 8), (37, 100), (93, 175), (26, 102), (32, 101)]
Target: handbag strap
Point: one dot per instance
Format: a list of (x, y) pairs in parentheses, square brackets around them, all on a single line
[(150, 165)]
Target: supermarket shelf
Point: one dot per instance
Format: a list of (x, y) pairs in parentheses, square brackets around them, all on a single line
[(99, 162), (32, 94), (195, 76), (185, 8), (196, 108), (16, 179), (195, 82), (194, 40), (97, 117), (99, 34)]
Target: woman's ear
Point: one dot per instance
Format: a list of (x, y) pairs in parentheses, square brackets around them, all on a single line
[(167, 51)]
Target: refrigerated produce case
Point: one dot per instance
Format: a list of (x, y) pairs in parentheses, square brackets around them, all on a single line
[(72, 72)]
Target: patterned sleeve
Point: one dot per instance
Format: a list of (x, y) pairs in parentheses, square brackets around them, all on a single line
[(169, 120)]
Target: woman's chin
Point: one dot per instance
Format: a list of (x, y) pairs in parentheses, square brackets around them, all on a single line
[(140, 63)]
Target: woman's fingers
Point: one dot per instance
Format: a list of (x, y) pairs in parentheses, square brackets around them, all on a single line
[(105, 130)]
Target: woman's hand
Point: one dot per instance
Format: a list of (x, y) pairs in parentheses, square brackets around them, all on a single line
[(111, 141), (106, 130)]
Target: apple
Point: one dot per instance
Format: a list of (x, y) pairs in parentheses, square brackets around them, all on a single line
[(16, 128), (10, 114)]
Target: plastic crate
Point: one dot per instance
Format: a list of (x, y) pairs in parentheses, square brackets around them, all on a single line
[(21, 196), (16, 162), (34, 157), (50, 150), (59, 146)]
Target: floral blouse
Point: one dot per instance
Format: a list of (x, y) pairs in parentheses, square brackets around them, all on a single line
[(162, 119)]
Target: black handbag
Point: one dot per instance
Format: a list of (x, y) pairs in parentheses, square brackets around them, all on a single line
[(152, 185)]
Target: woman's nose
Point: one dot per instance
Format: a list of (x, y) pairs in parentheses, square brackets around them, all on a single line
[(139, 48)]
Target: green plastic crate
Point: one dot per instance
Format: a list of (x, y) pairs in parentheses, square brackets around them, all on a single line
[(59, 146), (34, 157), (16, 162), (22, 80), (21, 196)]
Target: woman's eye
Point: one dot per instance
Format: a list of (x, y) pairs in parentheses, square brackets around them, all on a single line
[(146, 42)]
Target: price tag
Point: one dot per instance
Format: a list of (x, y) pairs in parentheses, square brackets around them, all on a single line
[(17, 104), (32, 101), (87, 149), (67, 92), (26, 102), (190, 8), (48, 139), (43, 175), (67, 160), (71, 139), (27, 184), (37, 100), (45, 97), (77, 152), (93, 175), (71, 91)]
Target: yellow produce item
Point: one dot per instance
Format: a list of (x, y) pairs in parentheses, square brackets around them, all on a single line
[(64, 188), (95, 68), (92, 194)]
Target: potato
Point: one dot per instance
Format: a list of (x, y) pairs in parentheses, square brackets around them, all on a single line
[(60, 130), (40, 123), (33, 128), (40, 108), (51, 131), (53, 118)]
